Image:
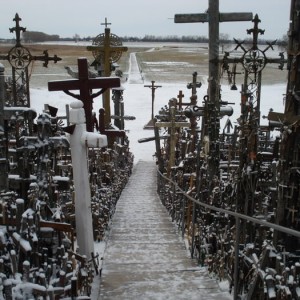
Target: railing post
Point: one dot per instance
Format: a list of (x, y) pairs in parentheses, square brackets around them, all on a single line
[(236, 257), (182, 216)]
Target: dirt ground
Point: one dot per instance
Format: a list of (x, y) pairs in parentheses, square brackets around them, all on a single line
[(162, 64)]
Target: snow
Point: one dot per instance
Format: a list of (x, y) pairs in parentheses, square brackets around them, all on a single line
[(137, 101)]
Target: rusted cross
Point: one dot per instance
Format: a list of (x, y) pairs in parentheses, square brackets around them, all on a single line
[(85, 85), (104, 48)]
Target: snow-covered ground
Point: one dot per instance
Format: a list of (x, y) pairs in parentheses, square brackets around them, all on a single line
[(138, 102)]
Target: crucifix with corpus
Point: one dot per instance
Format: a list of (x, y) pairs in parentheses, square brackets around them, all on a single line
[(19, 58), (85, 85), (153, 87), (107, 49)]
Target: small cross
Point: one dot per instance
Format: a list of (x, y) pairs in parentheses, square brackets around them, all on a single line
[(85, 85), (255, 31), (105, 23)]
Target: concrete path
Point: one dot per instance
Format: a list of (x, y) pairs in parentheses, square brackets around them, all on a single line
[(145, 258)]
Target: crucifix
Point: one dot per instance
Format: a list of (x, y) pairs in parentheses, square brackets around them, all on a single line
[(153, 87), (19, 58), (172, 125), (213, 17), (107, 49), (85, 85)]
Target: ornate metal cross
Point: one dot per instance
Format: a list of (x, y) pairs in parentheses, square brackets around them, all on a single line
[(107, 48), (19, 58), (85, 85)]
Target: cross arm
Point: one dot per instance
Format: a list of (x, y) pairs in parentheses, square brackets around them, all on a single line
[(204, 18), (75, 84)]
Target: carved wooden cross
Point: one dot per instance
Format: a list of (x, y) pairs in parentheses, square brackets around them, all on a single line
[(107, 49), (172, 125), (85, 85)]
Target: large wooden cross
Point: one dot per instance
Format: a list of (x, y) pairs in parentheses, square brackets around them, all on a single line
[(172, 125), (107, 48), (213, 17), (85, 85)]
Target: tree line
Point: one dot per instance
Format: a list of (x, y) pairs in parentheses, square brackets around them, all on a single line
[(38, 37)]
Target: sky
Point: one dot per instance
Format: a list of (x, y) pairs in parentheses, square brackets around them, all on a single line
[(138, 18)]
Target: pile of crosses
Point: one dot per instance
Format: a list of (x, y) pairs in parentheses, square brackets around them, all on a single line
[(40, 254), (244, 170)]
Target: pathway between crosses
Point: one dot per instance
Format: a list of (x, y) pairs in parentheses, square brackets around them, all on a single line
[(145, 258)]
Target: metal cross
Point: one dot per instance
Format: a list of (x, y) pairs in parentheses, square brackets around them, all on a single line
[(19, 58), (85, 85), (105, 23), (107, 49)]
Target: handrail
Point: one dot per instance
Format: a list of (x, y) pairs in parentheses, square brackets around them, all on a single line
[(235, 214)]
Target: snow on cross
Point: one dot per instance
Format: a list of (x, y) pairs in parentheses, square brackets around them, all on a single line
[(80, 139)]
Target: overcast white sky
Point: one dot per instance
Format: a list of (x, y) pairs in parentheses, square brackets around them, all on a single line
[(137, 17)]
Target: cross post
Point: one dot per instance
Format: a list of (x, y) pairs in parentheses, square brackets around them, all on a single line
[(85, 85)]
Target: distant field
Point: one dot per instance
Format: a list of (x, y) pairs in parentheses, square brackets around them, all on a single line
[(161, 63)]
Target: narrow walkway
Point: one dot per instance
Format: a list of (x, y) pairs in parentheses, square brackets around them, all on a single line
[(145, 258)]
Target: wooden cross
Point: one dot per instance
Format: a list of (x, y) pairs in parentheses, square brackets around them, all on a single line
[(85, 85), (153, 87), (172, 127), (107, 49), (19, 58), (213, 17), (293, 211)]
